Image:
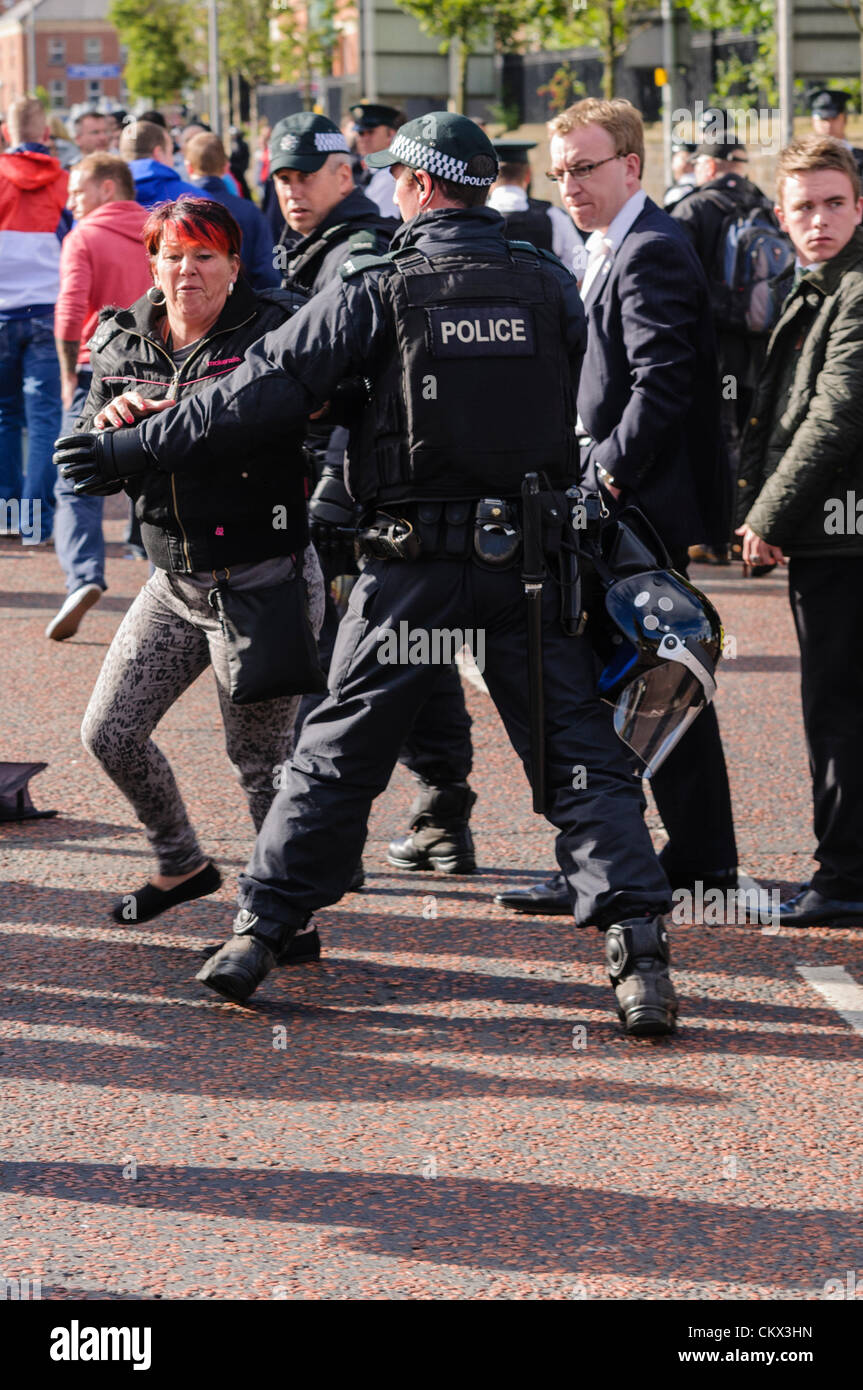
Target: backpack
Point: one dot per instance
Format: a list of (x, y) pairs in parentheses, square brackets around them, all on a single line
[(752, 251)]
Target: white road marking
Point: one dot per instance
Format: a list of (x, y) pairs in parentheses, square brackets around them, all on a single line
[(840, 989), (464, 660)]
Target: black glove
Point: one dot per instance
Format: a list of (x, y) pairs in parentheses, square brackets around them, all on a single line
[(98, 463), (332, 517)]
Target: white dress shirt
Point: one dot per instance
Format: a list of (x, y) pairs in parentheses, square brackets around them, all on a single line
[(380, 188), (601, 246), (565, 241)]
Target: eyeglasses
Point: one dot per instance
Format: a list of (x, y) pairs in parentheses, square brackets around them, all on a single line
[(581, 172)]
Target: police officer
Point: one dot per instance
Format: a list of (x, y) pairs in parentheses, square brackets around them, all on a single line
[(374, 127), (451, 323), (723, 192), (827, 106), (310, 163), (682, 173), (532, 219)]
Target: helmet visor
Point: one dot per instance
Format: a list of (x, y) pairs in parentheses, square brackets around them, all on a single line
[(653, 712)]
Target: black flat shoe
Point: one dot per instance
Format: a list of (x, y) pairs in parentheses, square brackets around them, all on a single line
[(149, 902), (809, 908), (550, 896)]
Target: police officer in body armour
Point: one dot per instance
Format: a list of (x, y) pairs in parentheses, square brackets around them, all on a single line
[(374, 127), (829, 117), (310, 165), (532, 219), (450, 324), (722, 193)]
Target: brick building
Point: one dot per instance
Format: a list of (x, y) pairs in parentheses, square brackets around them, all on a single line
[(76, 52)]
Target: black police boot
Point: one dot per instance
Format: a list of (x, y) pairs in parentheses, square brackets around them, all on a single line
[(242, 963), (637, 955), (441, 836)]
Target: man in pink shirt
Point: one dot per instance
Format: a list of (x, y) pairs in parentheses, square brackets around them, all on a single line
[(102, 262)]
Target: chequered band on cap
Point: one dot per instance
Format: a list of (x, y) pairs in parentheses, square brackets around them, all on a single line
[(420, 156), (332, 143)]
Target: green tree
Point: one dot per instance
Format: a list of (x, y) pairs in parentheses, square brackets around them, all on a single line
[(305, 49), (749, 84), (608, 25), (156, 34), (245, 45), (472, 23)]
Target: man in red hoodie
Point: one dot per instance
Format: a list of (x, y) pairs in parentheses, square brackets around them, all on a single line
[(103, 261), (32, 200)]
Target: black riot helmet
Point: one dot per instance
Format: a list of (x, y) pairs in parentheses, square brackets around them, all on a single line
[(659, 673)]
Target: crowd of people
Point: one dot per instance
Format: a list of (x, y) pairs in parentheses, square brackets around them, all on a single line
[(700, 366)]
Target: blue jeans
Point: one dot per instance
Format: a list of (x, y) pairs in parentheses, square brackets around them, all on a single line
[(29, 396), (78, 535)]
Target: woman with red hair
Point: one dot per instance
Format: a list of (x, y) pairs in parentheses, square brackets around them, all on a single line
[(245, 519)]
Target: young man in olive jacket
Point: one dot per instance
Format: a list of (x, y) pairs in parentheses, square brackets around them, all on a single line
[(801, 476)]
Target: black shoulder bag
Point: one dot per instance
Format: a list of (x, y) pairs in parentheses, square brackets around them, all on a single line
[(269, 640)]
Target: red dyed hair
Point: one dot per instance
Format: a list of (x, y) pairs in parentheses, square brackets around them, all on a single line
[(196, 221)]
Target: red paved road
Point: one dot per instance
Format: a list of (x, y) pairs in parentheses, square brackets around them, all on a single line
[(429, 1130)]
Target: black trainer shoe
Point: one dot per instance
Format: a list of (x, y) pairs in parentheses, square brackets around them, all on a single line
[(441, 838), (637, 955)]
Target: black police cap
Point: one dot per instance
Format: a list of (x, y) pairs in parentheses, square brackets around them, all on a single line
[(368, 115), (513, 151), (828, 102), (304, 141)]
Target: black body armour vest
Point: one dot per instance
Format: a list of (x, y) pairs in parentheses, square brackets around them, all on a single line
[(533, 225), (477, 389)]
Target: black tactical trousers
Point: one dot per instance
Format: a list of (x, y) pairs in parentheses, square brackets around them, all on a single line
[(313, 835), (438, 748)]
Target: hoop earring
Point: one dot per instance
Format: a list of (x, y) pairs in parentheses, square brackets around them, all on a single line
[(156, 294)]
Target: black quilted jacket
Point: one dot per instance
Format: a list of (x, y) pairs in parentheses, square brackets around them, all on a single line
[(226, 511)]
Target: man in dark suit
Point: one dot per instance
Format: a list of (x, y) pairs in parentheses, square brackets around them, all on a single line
[(648, 408)]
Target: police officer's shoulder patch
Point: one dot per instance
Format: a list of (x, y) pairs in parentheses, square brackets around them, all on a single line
[(536, 252), (356, 265), (523, 246), (363, 241)]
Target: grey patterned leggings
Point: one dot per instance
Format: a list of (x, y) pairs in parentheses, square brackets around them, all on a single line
[(168, 637)]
